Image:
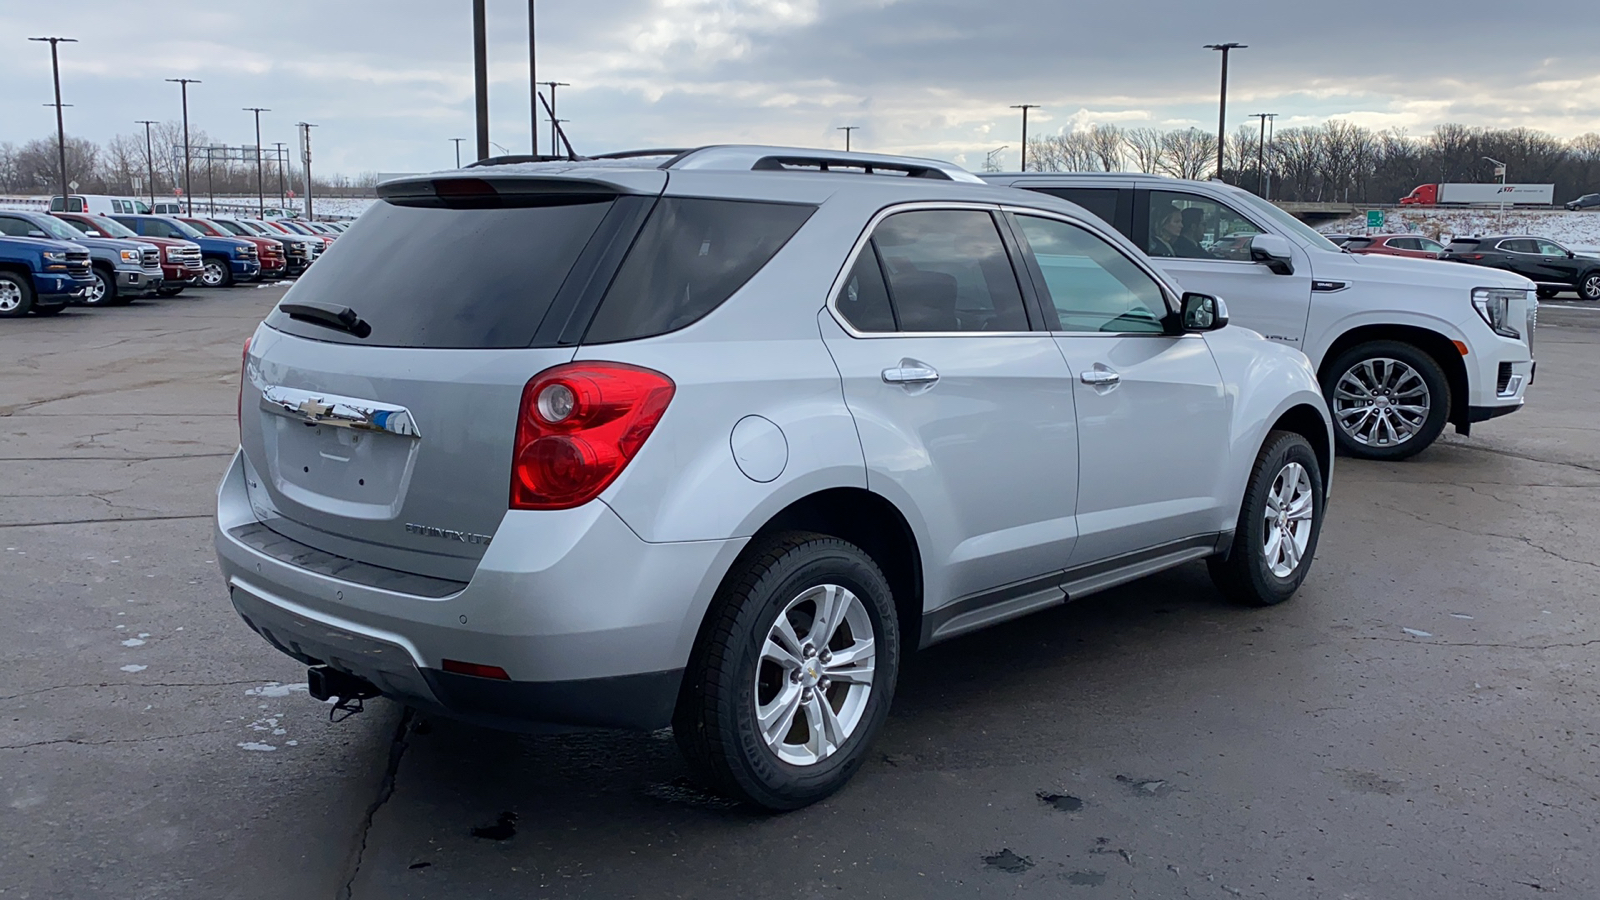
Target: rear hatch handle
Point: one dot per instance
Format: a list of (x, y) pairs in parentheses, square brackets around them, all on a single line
[(328, 315), (339, 412)]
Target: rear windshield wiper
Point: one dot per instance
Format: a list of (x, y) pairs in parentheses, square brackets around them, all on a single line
[(327, 315)]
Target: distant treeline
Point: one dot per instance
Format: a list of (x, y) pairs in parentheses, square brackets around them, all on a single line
[(1334, 161)]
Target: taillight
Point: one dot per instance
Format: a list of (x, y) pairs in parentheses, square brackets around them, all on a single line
[(578, 427), (244, 366)]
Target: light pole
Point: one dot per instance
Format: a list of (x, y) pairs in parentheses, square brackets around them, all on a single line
[(555, 145), (1222, 106), (480, 75), (1261, 153), (149, 157), (533, 82), (458, 150), (188, 194), (1500, 169), (305, 155), (281, 151), (61, 128), (1025, 107), (847, 129), (261, 189), (989, 165)]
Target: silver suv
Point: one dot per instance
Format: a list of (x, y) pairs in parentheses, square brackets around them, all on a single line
[(707, 441)]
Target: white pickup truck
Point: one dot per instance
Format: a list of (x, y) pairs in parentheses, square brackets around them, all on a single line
[(1401, 346)]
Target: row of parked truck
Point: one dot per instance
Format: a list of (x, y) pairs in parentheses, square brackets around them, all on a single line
[(81, 253)]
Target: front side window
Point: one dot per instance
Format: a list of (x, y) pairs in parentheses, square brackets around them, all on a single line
[(1092, 285), (14, 227), (1429, 245), (1549, 248), (1189, 226), (948, 271)]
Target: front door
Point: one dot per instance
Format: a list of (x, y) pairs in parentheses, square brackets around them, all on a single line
[(962, 403), (1153, 416), (1204, 245)]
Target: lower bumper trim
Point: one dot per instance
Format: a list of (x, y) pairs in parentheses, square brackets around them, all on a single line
[(1485, 413), (643, 702)]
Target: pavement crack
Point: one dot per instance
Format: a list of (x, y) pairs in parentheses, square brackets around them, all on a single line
[(1508, 537), (1490, 645), (100, 521), (129, 684), (83, 743), (397, 749), (1523, 456)]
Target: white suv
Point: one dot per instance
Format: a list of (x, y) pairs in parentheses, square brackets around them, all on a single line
[(708, 440), (1401, 346)]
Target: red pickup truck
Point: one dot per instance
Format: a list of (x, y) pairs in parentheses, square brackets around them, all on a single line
[(273, 262), (181, 264)]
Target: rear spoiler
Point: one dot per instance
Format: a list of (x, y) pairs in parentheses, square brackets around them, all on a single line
[(500, 191)]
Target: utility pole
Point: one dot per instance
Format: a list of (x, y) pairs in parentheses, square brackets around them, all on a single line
[(847, 129), (1222, 107), (555, 145), (61, 128), (188, 194), (261, 190), (1025, 107), (283, 199), (533, 82), (211, 184), (305, 157), (480, 75), (149, 157), (1499, 169), (458, 150), (1261, 153), (1272, 126)]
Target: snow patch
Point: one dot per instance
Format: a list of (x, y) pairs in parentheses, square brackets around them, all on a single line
[(131, 669), (256, 746), (276, 689), (133, 642)]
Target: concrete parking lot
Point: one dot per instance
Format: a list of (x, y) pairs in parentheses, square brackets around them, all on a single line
[(1420, 721)]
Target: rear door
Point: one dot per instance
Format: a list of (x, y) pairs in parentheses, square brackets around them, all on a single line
[(1153, 415), (394, 448), (1204, 244), (962, 403)]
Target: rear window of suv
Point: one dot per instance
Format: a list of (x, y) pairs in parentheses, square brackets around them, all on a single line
[(430, 277)]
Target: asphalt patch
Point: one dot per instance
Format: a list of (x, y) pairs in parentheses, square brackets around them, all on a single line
[(1087, 879), (501, 830), (1060, 802), (1008, 862), (1146, 787)]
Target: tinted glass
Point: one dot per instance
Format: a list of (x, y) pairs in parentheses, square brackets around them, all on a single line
[(1092, 286), (1404, 244), (1100, 201), (1549, 248), (107, 227), (1520, 245), (11, 226), (428, 277), (691, 255), (1355, 244), (1430, 246), (234, 227), (864, 299), (1189, 226), (948, 271)]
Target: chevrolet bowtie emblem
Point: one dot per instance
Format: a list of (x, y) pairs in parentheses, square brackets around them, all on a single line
[(316, 409)]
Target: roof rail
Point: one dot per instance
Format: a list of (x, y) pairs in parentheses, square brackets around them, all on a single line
[(753, 158), (513, 158)]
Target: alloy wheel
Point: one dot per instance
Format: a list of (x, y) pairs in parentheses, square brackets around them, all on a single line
[(212, 275), (1290, 507), (815, 675), (1381, 402), (1591, 287), (10, 297), (97, 291)]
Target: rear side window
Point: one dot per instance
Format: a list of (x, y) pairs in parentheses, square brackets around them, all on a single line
[(447, 278), (948, 271), (691, 255), (864, 299), (1100, 201)]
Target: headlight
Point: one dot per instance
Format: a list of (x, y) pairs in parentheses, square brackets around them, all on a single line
[(1494, 305), (241, 251), (130, 255), (55, 255), (172, 254)]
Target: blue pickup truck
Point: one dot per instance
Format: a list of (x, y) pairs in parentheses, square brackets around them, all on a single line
[(41, 276), (226, 259)]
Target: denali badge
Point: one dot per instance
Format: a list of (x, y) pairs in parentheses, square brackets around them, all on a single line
[(465, 537)]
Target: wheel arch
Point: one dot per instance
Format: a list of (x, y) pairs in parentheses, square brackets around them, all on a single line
[(1440, 348), (1311, 424)]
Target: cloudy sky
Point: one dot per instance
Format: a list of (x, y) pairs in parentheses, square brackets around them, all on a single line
[(390, 81)]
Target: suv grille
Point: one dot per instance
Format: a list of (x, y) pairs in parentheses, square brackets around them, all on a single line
[(78, 263)]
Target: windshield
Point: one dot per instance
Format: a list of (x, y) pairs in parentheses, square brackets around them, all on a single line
[(294, 227), (234, 227), (56, 228), (108, 227), (1289, 223), (253, 226), (187, 230)]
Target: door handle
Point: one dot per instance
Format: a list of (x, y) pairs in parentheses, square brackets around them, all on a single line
[(1099, 376), (910, 371)]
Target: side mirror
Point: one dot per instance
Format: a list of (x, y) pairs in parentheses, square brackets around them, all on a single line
[(1274, 252), (1203, 312), (1571, 255)]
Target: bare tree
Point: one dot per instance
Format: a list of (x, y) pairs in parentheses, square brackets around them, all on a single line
[(1187, 152), (1107, 143), (1144, 145)]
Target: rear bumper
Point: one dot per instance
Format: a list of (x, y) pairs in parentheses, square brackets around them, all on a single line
[(593, 625)]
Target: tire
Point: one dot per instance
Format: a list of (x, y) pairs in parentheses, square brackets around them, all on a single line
[(1589, 285), (1548, 293), (170, 292), (717, 724), (16, 295), (216, 274), (104, 292), (48, 311), (1255, 572), (1368, 379)]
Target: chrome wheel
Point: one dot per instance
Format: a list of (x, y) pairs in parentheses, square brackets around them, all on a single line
[(1381, 402), (10, 297), (1290, 508), (212, 275), (98, 290), (815, 675)]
